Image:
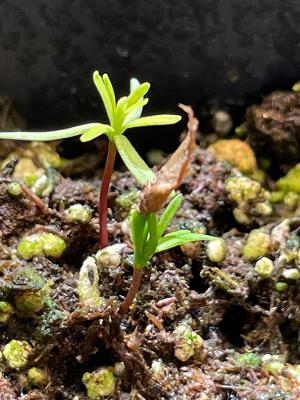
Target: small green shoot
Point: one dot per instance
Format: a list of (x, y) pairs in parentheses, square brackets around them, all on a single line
[(147, 229), (122, 115), (147, 235)]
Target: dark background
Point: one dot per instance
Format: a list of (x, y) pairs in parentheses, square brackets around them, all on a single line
[(193, 51)]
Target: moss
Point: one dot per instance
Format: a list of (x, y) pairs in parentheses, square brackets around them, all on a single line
[(235, 151), (276, 196), (6, 311), (264, 208), (16, 353), (157, 369), (37, 377), (252, 360), (291, 200), (281, 286), (111, 256), (127, 200), (257, 245), (291, 181), (28, 304), (14, 189), (27, 171), (289, 249), (242, 188), (34, 280), (258, 175), (99, 383), (216, 250), (273, 363), (264, 267), (79, 213), (292, 274), (53, 245), (51, 317), (30, 247), (39, 244), (223, 280), (187, 342), (88, 284)]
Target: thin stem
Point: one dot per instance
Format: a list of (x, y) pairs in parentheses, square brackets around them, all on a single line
[(134, 287), (102, 207)]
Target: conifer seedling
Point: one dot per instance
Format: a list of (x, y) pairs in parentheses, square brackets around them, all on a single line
[(122, 115), (147, 228)]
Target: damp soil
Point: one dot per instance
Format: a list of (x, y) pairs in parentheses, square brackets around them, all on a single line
[(235, 312)]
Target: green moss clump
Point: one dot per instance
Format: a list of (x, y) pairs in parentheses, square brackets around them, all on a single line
[(273, 363), (37, 377), (242, 188), (292, 274), (51, 317), (187, 342), (16, 353), (216, 250), (264, 267), (251, 199), (99, 383), (6, 311), (281, 286), (79, 213), (30, 247), (111, 256), (127, 200), (53, 245), (39, 244), (14, 189), (27, 171), (291, 181), (257, 245), (32, 300), (29, 303), (34, 280), (249, 360)]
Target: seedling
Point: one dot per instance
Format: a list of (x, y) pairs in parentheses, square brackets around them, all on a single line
[(147, 234), (147, 229), (122, 115)]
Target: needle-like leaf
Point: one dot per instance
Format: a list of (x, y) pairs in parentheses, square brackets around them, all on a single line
[(120, 113), (110, 90), (100, 85), (95, 132), (138, 222), (135, 111), (138, 93), (133, 161), (169, 213), (50, 135), (163, 119), (153, 237), (179, 238)]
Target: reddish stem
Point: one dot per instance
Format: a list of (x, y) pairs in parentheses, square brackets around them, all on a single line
[(134, 287), (33, 197), (102, 207)]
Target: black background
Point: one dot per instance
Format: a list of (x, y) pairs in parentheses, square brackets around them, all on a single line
[(192, 51)]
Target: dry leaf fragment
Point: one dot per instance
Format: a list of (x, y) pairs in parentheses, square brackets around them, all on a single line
[(172, 173)]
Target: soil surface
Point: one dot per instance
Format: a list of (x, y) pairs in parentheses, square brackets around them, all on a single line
[(209, 322)]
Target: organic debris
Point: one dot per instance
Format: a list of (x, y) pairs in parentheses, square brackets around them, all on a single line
[(213, 320)]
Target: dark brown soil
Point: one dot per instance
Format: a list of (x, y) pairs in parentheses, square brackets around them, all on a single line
[(226, 303)]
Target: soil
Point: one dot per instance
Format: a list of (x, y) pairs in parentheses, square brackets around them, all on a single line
[(226, 303)]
